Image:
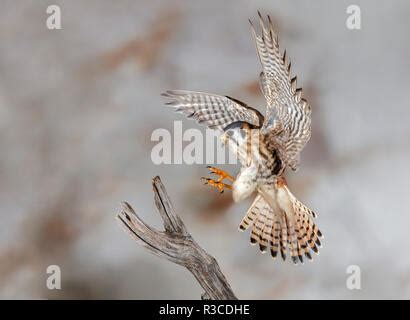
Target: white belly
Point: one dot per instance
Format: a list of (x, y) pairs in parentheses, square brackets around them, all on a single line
[(245, 183)]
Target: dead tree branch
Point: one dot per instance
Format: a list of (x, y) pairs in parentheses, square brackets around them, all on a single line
[(176, 244)]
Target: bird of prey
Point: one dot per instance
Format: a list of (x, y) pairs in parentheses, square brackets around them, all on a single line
[(265, 147)]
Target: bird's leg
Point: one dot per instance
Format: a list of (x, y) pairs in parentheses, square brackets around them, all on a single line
[(222, 174), (221, 186)]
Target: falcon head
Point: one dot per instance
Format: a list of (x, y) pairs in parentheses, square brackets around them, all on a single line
[(235, 133)]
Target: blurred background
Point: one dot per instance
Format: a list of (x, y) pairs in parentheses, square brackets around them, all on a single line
[(78, 106)]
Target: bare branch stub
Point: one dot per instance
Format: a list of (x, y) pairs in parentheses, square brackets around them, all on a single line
[(176, 244)]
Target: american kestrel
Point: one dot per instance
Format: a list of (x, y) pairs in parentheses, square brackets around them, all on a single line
[(265, 147)]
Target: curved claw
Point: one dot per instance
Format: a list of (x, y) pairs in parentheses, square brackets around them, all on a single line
[(218, 184), (221, 173)]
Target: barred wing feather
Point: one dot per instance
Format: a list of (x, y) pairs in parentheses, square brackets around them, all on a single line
[(215, 111), (287, 123)]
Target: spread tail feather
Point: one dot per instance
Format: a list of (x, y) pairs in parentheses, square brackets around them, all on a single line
[(251, 214), (286, 227), (308, 234)]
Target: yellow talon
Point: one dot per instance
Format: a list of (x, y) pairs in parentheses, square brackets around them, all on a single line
[(218, 184), (221, 173)]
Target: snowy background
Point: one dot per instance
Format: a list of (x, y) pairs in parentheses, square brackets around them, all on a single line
[(78, 106)]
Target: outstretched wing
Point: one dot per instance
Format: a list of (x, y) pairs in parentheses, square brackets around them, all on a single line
[(288, 116), (214, 111)]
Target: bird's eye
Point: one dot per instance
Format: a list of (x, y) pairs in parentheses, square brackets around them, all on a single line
[(229, 133), (242, 133)]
